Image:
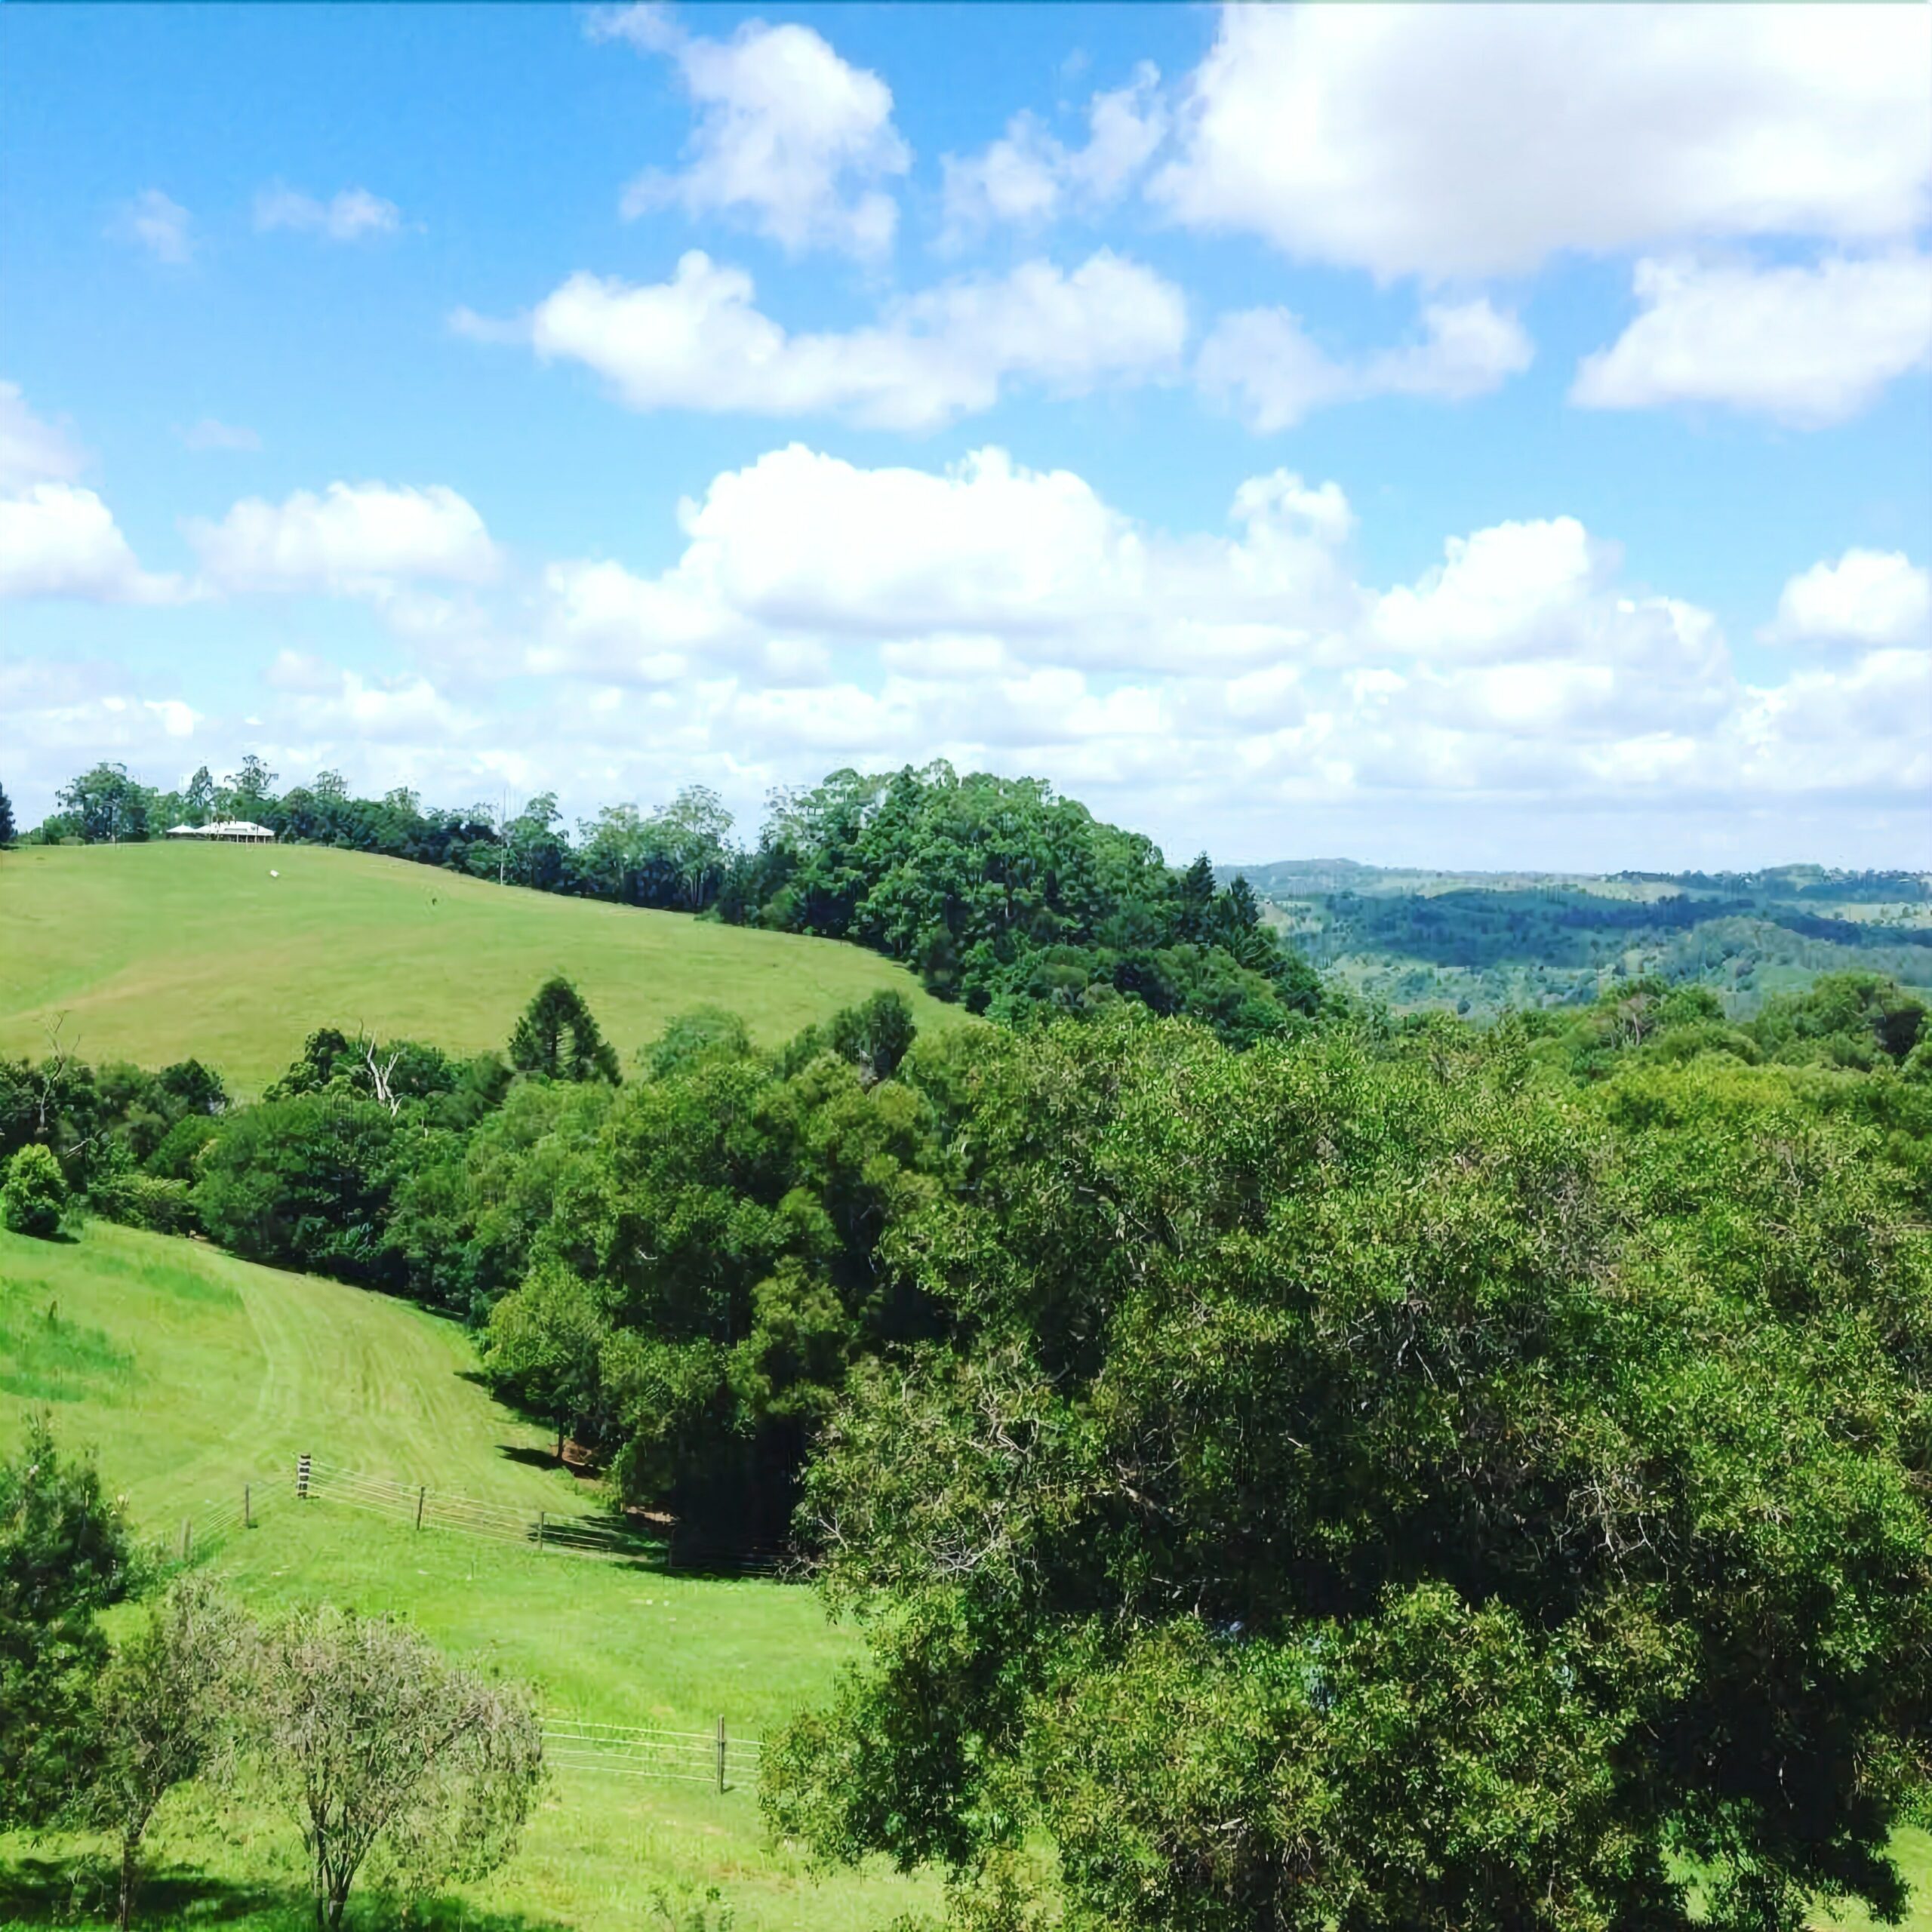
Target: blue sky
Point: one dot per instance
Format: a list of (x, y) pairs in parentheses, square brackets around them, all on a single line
[(1468, 436)]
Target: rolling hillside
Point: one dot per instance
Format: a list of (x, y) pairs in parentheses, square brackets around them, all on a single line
[(1481, 942), (233, 953), (192, 1371)]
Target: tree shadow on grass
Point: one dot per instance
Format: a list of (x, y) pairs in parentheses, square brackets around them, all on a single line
[(74, 1892)]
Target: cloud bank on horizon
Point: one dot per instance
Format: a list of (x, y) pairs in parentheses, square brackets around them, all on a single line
[(1473, 435)]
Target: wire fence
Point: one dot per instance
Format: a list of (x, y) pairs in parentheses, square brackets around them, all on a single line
[(572, 1746), (607, 1536), (211, 1525), (636, 1751)]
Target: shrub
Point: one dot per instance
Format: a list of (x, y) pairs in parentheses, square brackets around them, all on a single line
[(145, 1200), (34, 1196)]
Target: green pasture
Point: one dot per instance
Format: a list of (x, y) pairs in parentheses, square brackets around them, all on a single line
[(193, 1372), (232, 954)]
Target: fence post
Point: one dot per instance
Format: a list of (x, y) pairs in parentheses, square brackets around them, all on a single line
[(248, 1509), (187, 1537), (721, 1753), (422, 1489), (542, 1524), (301, 1476)]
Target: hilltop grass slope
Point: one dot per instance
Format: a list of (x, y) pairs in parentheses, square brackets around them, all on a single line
[(156, 952), (191, 1371)]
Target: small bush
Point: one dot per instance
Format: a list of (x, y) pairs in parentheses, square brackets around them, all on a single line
[(34, 1196), (145, 1200)]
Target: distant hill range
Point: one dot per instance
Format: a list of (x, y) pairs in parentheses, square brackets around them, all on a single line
[(1479, 942)]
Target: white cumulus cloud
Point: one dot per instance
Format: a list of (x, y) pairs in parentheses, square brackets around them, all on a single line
[(353, 538), (57, 540), (699, 342), (1807, 346), (1482, 139), (789, 137), (1867, 598), (1262, 363), (1028, 177)]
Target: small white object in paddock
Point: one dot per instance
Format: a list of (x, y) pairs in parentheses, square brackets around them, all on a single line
[(273, 873)]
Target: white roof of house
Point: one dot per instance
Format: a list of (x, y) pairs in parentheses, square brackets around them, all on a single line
[(222, 828)]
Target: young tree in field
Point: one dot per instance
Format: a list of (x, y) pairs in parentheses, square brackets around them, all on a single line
[(543, 1346), (65, 1555), (384, 1750), (166, 1707), (34, 1196), (537, 1044), (7, 826)]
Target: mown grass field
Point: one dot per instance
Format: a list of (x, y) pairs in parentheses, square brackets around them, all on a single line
[(158, 951), (191, 1371)]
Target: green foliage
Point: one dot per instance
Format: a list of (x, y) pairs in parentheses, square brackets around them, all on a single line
[(106, 807), (725, 1227), (34, 1196), (542, 1346), (1487, 944), (537, 1045), (65, 1554), (379, 1745), (7, 828), (1017, 902), (874, 1037), (1361, 1485), (168, 1707), (304, 1183)]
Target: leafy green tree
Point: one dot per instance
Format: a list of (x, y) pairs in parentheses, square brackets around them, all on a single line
[(1194, 902), (537, 853), (34, 1196), (197, 801), (537, 1045), (65, 1555), (249, 792), (305, 1183), (7, 827), (543, 1348), (1857, 1020), (168, 1707), (106, 805), (874, 1036), (1359, 1486), (381, 1749)]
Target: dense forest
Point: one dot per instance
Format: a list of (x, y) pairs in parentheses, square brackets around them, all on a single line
[(1482, 944)]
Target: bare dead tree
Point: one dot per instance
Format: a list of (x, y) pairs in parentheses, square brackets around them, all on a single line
[(379, 1071), (53, 1068)]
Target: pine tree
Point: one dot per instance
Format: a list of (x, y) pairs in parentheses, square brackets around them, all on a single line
[(1194, 916)]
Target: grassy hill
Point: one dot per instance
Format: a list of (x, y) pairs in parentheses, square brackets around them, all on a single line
[(233, 953), (192, 1372)]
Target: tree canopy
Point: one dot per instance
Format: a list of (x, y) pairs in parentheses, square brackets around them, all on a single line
[(1363, 1487)]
